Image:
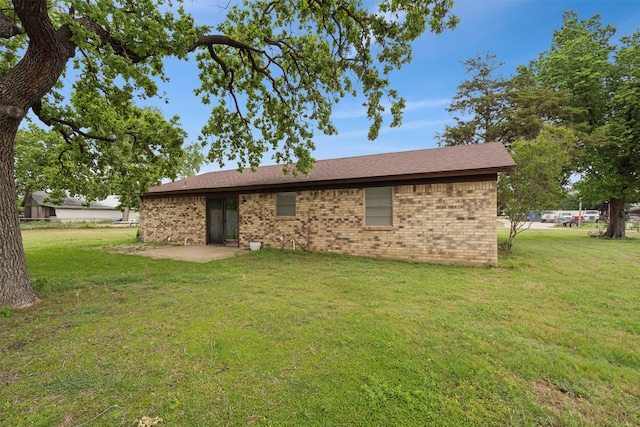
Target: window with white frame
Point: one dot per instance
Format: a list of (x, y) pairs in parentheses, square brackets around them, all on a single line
[(378, 210), (286, 204)]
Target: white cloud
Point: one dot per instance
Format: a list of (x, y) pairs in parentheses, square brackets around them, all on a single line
[(427, 103)]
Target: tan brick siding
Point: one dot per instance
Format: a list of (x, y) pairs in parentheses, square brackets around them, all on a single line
[(444, 223), (440, 222), (174, 220)]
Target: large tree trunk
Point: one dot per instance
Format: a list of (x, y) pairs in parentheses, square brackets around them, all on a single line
[(615, 230), (21, 88), (15, 285)]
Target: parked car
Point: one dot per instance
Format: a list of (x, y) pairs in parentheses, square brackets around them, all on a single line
[(567, 220), (548, 216), (534, 216), (130, 222), (633, 217), (591, 216)]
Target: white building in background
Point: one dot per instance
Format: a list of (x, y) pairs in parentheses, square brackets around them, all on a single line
[(38, 206), (586, 215)]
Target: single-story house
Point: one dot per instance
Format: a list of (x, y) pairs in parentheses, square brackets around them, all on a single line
[(39, 206), (436, 205)]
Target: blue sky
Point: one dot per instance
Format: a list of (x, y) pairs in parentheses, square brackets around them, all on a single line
[(514, 30)]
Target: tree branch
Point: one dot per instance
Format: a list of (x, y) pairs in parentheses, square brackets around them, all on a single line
[(106, 38), (35, 19), (219, 39), (8, 29), (231, 77), (51, 121)]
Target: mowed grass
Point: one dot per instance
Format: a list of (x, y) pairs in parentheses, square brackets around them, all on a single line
[(550, 337)]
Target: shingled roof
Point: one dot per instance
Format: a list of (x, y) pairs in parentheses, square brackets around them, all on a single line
[(467, 160)]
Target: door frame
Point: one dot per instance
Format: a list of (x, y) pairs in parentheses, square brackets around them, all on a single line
[(227, 202)]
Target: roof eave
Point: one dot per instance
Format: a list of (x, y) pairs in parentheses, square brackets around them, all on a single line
[(389, 179)]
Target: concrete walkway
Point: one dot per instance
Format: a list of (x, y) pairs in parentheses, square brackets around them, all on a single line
[(192, 253)]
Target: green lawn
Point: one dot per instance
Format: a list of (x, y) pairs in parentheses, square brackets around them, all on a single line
[(550, 337)]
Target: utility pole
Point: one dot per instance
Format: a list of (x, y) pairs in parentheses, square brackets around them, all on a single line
[(580, 213)]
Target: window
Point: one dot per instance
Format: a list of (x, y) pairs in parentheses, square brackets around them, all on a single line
[(286, 204), (378, 206)]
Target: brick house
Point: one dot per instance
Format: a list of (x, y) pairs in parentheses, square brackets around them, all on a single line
[(435, 205)]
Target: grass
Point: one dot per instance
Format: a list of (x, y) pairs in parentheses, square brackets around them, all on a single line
[(39, 224), (549, 337)]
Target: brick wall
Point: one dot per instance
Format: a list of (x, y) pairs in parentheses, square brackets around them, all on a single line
[(440, 222), (174, 220), (444, 223)]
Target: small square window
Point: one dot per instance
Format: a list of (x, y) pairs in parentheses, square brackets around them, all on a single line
[(286, 204), (378, 206)]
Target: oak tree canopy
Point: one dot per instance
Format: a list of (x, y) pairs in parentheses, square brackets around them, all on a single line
[(271, 72)]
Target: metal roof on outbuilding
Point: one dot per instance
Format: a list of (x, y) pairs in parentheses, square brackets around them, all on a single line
[(42, 199)]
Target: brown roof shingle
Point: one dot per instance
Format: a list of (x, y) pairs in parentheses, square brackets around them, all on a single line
[(456, 161)]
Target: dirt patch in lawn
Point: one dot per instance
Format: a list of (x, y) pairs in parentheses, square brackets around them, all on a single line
[(561, 401)]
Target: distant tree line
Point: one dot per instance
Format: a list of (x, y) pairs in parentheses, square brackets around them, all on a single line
[(571, 117)]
